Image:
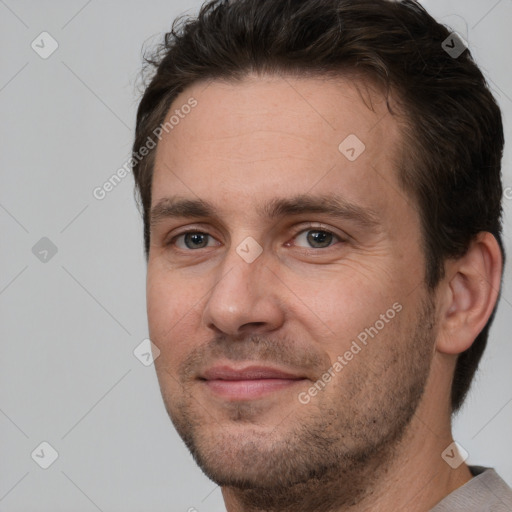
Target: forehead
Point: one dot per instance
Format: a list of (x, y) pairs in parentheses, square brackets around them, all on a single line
[(266, 135)]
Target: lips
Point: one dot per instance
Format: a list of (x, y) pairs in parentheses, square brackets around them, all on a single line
[(248, 383), (248, 373)]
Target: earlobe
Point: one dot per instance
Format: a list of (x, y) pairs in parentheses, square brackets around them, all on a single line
[(470, 291)]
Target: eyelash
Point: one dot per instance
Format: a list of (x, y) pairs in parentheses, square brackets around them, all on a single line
[(172, 241)]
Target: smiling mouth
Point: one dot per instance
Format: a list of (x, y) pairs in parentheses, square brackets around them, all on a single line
[(248, 383)]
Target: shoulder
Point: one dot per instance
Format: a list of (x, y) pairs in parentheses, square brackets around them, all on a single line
[(485, 492)]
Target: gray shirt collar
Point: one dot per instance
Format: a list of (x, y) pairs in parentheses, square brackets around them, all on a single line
[(486, 491)]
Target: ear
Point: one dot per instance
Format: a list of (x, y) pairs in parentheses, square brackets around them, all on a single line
[(468, 294)]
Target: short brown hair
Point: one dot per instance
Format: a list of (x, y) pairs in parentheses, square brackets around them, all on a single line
[(452, 151)]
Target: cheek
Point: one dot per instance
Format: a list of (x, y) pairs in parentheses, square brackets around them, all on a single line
[(173, 313), (339, 305)]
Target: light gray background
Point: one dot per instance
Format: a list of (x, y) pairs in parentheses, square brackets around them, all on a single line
[(69, 326)]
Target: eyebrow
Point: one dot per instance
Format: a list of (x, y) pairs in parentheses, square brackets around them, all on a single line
[(332, 205)]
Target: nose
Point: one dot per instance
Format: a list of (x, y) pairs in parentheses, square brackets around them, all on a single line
[(244, 298)]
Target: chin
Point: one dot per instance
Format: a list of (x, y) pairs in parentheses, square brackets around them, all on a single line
[(247, 458)]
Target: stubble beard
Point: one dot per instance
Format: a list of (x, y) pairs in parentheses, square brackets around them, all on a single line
[(331, 454)]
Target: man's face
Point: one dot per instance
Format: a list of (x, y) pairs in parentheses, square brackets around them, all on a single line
[(272, 276)]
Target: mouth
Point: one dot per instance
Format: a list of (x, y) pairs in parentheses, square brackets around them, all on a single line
[(248, 383)]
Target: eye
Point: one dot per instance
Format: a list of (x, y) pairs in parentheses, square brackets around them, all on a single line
[(316, 238), (193, 240)]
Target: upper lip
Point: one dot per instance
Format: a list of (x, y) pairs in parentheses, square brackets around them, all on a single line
[(247, 373)]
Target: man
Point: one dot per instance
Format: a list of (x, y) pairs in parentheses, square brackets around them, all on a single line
[(320, 186)]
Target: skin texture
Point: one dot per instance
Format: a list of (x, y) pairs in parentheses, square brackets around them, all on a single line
[(372, 438)]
